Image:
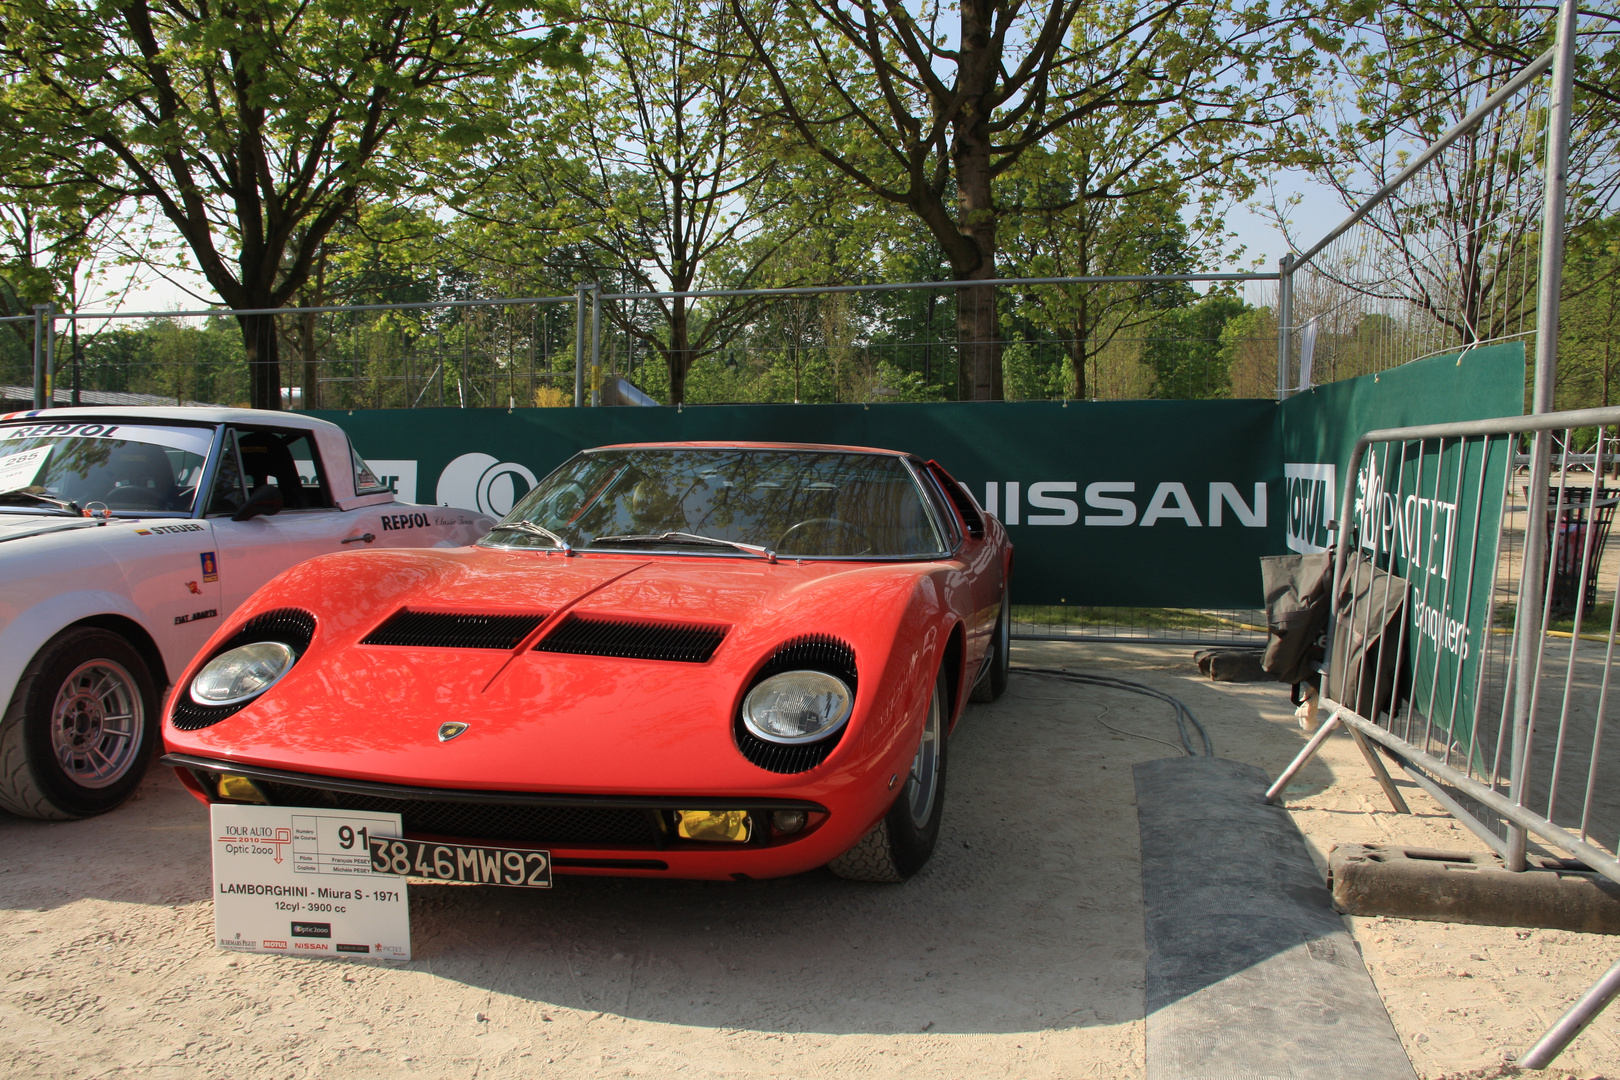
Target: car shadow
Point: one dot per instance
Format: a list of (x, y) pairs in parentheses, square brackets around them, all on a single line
[(1027, 918)]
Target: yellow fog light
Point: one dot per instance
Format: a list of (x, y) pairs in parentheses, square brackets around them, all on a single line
[(726, 826), (240, 789)]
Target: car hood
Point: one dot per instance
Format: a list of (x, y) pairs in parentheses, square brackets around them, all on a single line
[(563, 719), (22, 526)]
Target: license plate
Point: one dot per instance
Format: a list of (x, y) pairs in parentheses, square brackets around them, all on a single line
[(461, 862)]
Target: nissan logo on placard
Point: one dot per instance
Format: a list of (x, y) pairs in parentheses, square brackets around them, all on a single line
[(492, 485)]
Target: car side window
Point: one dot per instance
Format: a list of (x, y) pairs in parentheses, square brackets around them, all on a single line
[(942, 508), (366, 481), (289, 461), (229, 494), (959, 498)]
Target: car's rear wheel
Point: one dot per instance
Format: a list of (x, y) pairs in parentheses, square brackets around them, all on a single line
[(993, 683), (900, 844), (78, 733)]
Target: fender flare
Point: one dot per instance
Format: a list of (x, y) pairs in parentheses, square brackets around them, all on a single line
[(32, 627)]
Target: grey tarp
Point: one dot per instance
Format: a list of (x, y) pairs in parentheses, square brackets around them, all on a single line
[(1367, 669), (1296, 589)]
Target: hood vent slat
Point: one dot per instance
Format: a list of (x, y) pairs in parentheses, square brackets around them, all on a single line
[(593, 635), (454, 630)]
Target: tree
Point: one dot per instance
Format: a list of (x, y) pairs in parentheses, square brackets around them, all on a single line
[(1186, 354), (927, 112), (1450, 258), (254, 126), (650, 171)]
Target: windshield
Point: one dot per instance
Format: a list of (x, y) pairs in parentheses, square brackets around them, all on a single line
[(795, 503), (129, 468)]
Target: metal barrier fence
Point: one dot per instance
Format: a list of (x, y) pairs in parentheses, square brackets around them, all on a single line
[(1472, 634)]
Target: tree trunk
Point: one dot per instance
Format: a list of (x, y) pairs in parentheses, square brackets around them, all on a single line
[(312, 364), (680, 353), (263, 360), (977, 328)]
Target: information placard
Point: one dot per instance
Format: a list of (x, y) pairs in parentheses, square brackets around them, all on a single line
[(298, 881)]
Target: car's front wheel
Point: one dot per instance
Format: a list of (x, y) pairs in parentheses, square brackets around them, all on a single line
[(79, 730), (900, 844)]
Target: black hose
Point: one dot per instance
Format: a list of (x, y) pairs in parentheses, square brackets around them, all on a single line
[(1184, 715)]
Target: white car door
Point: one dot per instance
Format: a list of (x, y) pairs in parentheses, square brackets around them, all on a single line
[(252, 552)]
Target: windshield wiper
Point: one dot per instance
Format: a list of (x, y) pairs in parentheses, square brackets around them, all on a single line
[(688, 538), (67, 506), (532, 529)]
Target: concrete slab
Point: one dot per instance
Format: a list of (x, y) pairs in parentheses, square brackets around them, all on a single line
[(1250, 973)]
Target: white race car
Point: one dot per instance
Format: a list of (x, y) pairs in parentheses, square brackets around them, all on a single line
[(126, 537)]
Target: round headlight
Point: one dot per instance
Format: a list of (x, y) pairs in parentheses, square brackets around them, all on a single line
[(796, 706), (240, 674)]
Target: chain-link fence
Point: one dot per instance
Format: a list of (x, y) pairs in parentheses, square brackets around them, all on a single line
[(893, 342), (1444, 249)]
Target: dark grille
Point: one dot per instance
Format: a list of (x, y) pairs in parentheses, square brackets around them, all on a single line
[(454, 630), (691, 643), (574, 825), (813, 652), (289, 625)]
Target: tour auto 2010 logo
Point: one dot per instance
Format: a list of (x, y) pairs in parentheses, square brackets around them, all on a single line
[(485, 482)]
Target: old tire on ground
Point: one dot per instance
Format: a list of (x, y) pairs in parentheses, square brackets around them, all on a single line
[(899, 845), (78, 733), (993, 683)]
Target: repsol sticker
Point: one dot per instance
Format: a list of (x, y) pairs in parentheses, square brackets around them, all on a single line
[(34, 431), (1119, 503), (395, 522)]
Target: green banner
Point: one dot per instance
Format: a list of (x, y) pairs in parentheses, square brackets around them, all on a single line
[(1427, 512), (1134, 503), (1115, 503)]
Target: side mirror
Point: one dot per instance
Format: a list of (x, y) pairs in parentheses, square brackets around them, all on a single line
[(265, 500)]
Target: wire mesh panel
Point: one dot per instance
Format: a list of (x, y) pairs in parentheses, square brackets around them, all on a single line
[(1191, 626), (1443, 256), (865, 343)]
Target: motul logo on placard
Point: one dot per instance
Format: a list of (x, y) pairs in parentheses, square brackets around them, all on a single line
[(1308, 495), (1118, 503)]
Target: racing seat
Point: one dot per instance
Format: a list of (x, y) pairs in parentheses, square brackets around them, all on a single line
[(143, 478), (266, 460)]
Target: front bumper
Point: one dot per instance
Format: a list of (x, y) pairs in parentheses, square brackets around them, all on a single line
[(622, 835)]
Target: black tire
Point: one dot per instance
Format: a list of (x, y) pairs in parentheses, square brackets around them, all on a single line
[(79, 731), (900, 844), (993, 683)]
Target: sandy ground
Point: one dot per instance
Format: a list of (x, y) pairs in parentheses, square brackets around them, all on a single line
[(1017, 953)]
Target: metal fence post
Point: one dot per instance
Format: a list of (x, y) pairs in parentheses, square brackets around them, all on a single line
[(50, 356), (40, 392), (579, 344), (1285, 319), (1532, 588), (596, 344)]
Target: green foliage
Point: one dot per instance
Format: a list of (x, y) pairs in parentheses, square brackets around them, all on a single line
[(255, 127), (1186, 353)]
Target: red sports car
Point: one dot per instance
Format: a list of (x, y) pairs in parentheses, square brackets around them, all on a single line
[(695, 660)]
